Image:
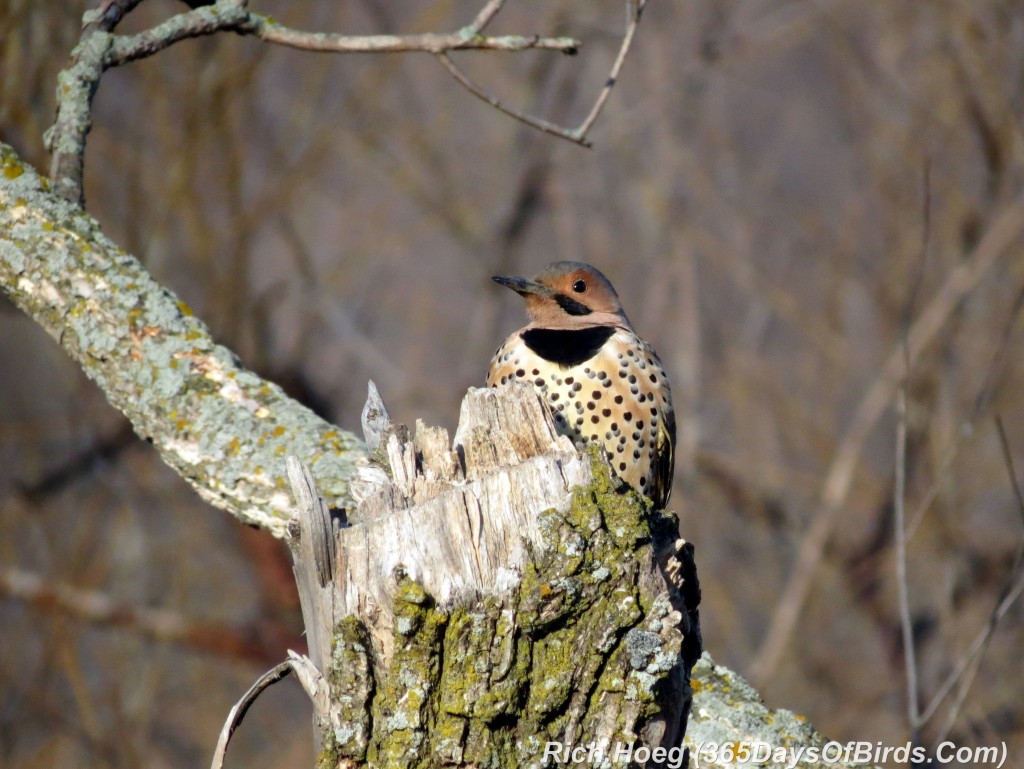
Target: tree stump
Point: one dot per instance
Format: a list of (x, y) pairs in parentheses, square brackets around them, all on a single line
[(500, 602)]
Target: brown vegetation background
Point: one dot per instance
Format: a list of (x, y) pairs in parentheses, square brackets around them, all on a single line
[(757, 193)]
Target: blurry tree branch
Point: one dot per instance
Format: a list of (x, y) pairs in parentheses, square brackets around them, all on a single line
[(253, 643), (967, 666), (1004, 230), (99, 49), (221, 427)]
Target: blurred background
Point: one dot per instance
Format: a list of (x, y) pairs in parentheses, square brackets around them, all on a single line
[(780, 190)]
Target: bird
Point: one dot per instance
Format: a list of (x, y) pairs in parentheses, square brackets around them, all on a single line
[(600, 380)]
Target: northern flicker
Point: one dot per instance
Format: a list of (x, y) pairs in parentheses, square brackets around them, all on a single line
[(602, 383)]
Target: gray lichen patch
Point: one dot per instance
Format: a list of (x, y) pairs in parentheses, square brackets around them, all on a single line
[(729, 711)]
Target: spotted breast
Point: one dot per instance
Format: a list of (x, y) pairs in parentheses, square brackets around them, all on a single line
[(601, 381)]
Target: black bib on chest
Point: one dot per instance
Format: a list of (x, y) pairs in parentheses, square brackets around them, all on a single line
[(567, 348)]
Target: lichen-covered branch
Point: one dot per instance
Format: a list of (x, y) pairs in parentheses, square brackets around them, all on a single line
[(728, 715), (221, 427)]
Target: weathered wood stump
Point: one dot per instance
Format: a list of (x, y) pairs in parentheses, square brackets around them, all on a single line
[(493, 604)]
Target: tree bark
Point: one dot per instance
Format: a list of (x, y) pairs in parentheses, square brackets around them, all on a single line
[(503, 600)]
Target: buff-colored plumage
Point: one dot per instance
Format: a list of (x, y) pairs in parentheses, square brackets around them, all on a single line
[(602, 382)]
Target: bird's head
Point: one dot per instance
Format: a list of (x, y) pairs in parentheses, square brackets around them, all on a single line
[(568, 295)]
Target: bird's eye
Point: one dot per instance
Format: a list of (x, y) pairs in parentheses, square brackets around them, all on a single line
[(579, 286)]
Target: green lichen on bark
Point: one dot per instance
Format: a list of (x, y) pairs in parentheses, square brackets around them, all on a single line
[(405, 703), (351, 680), (577, 652)]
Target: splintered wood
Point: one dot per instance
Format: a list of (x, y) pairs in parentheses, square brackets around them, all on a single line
[(424, 515)]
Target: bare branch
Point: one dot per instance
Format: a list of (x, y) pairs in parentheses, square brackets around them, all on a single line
[(534, 122), (634, 9), (902, 590), (488, 12), (237, 713), (899, 492), (578, 135), (99, 49), (465, 39)]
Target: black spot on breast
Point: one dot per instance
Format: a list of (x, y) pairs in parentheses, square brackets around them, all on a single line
[(567, 348)]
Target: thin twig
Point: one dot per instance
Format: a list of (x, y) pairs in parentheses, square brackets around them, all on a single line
[(1010, 594), (634, 8), (534, 122), (963, 671), (237, 713), (994, 376), (483, 18), (906, 625), (899, 493)]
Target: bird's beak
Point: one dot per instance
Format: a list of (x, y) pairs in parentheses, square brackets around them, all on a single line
[(523, 286)]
